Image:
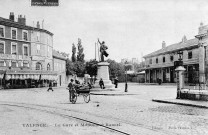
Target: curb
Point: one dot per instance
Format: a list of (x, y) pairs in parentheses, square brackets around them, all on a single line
[(111, 94), (185, 104)]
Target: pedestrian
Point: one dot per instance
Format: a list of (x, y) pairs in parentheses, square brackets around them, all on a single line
[(71, 88), (101, 83), (50, 86), (116, 82)]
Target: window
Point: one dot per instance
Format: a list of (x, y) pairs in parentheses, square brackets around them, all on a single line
[(14, 33), (48, 67), (164, 59), (48, 50), (150, 61), (2, 63), (156, 60), (14, 64), (2, 48), (25, 35), (14, 49), (38, 66), (25, 64), (171, 58), (189, 55), (38, 36), (2, 32), (25, 50), (38, 48)]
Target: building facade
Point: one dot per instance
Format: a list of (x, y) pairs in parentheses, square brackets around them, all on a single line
[(25, 54), (160, 64), (59, 65)]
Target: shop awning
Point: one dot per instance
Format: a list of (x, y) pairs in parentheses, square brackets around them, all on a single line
[(2, 72), (31, 74)]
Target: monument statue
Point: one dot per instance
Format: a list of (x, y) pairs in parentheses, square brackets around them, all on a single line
[(103, 49)]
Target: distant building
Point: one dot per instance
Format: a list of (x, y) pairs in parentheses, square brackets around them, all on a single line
[(59, 65), (160, 64)]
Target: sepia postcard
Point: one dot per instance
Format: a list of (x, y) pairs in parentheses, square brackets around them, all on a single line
[(103, 67)]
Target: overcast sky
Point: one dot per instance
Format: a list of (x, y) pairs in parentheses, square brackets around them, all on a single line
[(129, 27)]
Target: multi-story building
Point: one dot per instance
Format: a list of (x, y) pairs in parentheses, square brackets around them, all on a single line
[(25, 53), (160, 64), (59, 65)]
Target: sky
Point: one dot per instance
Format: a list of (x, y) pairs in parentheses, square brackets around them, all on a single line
[(130, 28)]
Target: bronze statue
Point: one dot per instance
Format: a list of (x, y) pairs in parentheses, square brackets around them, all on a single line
[(103, 49)]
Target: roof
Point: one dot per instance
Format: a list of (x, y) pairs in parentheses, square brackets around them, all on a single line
[(10, 23), (58, 55), (174, 47)]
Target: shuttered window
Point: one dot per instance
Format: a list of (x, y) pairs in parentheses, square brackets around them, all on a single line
[(1, 32), (1, 48)]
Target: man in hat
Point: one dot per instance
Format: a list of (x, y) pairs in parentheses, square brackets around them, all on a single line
[(103, 49), (71, 89)]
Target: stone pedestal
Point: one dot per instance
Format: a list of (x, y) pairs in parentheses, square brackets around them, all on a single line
[(103, 72)]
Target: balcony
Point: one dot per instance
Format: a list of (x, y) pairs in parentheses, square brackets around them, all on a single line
[(14, 57)]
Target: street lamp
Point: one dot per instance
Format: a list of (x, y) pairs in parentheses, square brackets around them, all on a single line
[(126, 85), (179, 69), (180, 54)]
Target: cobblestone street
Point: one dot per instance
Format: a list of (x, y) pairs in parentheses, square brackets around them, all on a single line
[(132, 112)]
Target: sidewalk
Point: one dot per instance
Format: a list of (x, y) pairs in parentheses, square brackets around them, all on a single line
[(110, 92), (194, 103)]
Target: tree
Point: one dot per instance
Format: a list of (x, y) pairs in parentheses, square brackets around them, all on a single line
[(73, 53), (79, 68), (91, 67), (80, 54), (69, 67), (115, 68)]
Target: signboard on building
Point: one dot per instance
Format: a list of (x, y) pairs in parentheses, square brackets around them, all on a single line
[(44, 2)]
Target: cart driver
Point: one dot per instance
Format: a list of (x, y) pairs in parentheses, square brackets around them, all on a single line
[(71, 87)]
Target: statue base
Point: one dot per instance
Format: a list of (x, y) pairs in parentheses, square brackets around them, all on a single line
[(103, 72)]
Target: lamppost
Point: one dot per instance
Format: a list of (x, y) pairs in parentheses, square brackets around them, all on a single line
[(126, 85), (179, 70)]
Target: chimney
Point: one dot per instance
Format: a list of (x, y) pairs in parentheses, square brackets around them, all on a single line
[(163, 44), (38, 25), (21, 20), (11, 16)]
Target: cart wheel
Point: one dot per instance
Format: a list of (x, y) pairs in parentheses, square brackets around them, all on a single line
[(86, 97), (74, 99)]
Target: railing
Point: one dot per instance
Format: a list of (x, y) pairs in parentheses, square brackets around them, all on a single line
[(194, 82), (14, 57)]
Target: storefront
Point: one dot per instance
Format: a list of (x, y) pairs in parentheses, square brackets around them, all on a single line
[(28, 79)]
